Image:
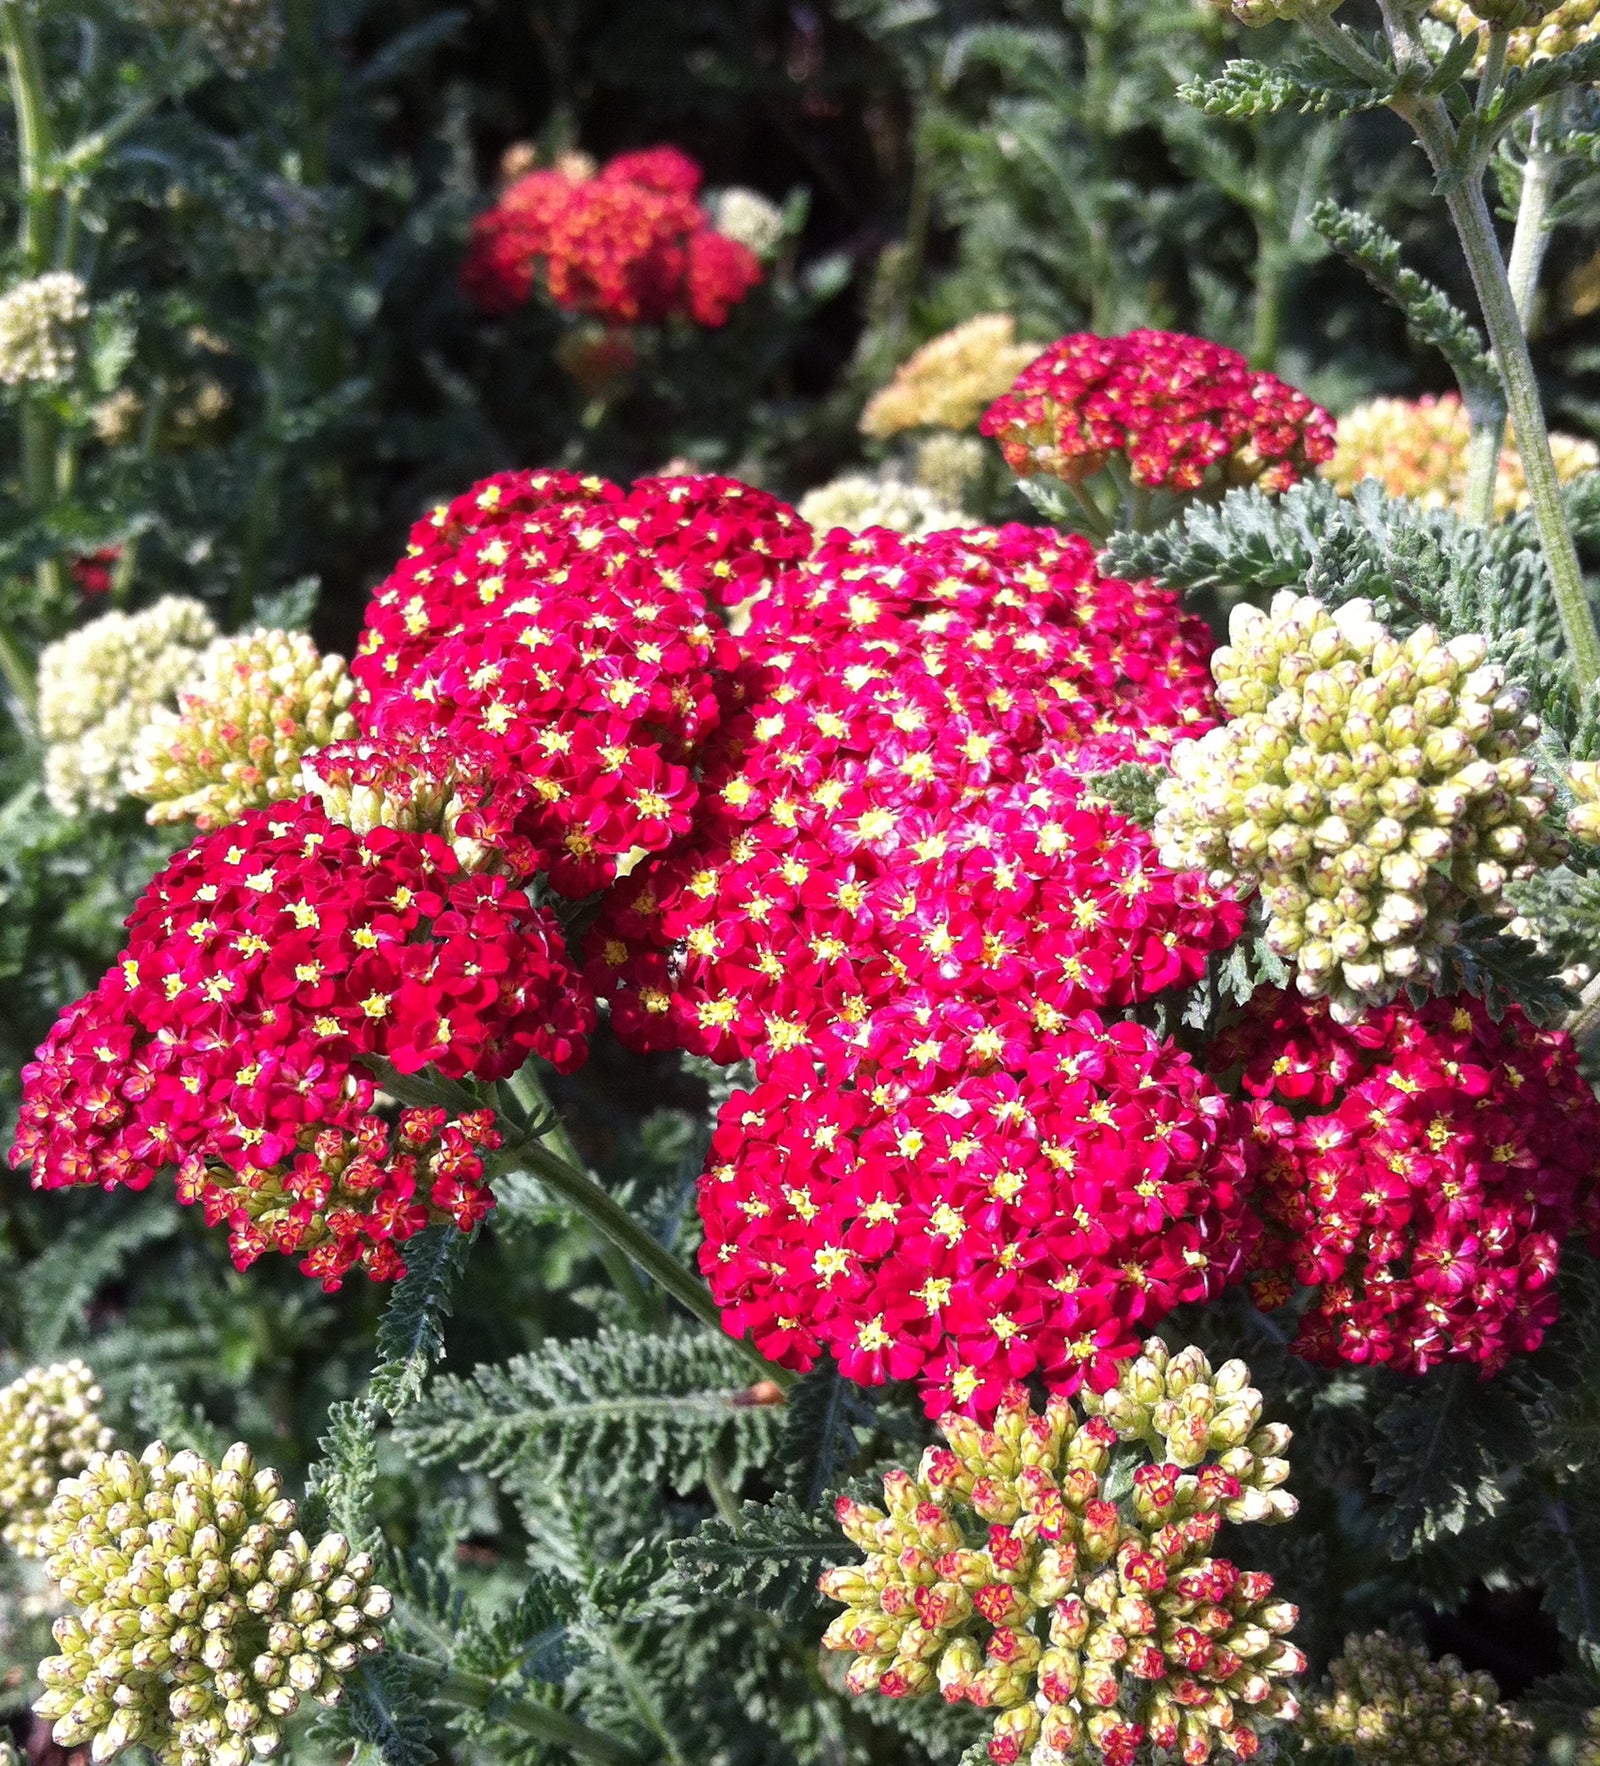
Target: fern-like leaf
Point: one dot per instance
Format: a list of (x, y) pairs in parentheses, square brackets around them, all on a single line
[(769, 1558), (1246, 90), (624, 1408), (411, 1336)]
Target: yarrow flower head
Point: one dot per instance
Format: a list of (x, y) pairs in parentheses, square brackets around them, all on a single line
[(975, 1204), (49, 1427), (629, 244), (862, 500), (753, 220), (1266, 12), (263, 966), (1418, 448), (204, 1614), (1374, 788), (1005, 1576), (38, 329), (1424, 1168), (1392, 1706), (243, 36), (948, 383), (99, 687), (949, 464), (1533, 29), (1177, 412), (901, 756), (254, 707)]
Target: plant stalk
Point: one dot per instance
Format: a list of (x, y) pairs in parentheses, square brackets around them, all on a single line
[(476, 1692)]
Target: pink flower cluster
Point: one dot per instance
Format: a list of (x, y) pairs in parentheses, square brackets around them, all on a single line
[(261, 966), (1176, 410), (974, 1206), (630, 245), (1423, 1171), (893, 802)]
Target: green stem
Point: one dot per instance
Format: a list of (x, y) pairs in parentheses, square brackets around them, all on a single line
[(919, 219), (17, 672), (1533, 218), (529, 1091), (477, 1692), (1483, 465), (35, 131), (1493, 69)]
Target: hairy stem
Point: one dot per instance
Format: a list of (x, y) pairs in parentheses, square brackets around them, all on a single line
[(477, 1692), (1533, 217)]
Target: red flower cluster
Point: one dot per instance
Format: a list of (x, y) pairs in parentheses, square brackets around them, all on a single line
[(630, 245), (560, 637), (94, 572), (1173, 407), (977, 1205), (886, 809), (1424, 1169), (261, 966)]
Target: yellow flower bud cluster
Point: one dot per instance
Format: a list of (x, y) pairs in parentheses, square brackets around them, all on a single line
[(1417, 448), (242, 36), (949, 464), (1002, 1575), (254, 707), (1583, 819), (1266, 12), (860, 500), (1392, 1706), (1539, 31), (48, 1429), (38, 329), (204, 1616), (1374, 789), (98, 687), (950, 382)]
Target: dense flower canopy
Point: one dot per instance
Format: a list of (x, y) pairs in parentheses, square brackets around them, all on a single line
[(1424, 1168), (1175, 410), (630, 244), (977, 1204), (261, 966)]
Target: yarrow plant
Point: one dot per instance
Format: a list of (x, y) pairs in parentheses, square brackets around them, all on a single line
[(628, 243), (49, 1428), (1003, 1574)]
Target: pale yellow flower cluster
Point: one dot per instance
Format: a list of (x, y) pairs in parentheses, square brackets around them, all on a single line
[(1418, 448), (950, 382), (860, 500), (1542, 32)]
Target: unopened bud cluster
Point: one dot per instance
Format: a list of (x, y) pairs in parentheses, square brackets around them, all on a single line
[(38, 329), (1533, 30), (1001, 1575), (255, 706), (98, 688), (1374, 788), (862, 500), (48, 1429), (948, 383), (1583, 819), (1392, 1706), (241, 35), (204, 1616), (1266, 12), (948, 464)]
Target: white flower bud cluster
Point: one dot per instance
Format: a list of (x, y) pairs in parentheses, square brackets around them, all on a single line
[(241, 35), (48, 1429), (1583, 819), (1184, 1412), (749, 217), (204, 1616), (1374, 788), (255, 705), (948, 464), (38, 326), (860, 500), (98, 688)]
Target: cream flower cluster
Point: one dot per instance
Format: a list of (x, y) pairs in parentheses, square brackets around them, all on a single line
[(860, 500), (1418, 448), (49, 1426), (204, 1616), (1004, 1573), (949, 464), (1392, 1706), (950, 382), (1583, 819), (1373, 788), (749, 217), (38, 329), (254, 707), (241, 35), (98, 688)]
